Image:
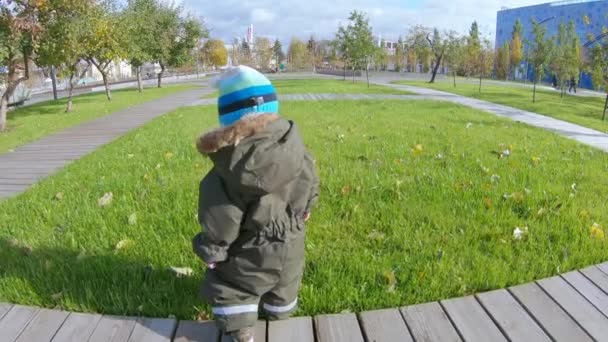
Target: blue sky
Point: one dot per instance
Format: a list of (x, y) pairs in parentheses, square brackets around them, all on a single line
[(284, 19)]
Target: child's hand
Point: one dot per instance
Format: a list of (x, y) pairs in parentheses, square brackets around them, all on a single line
[(211, 266), (306, 216)]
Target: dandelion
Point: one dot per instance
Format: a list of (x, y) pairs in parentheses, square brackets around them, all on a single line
[(168, 155), (417, 149), (597, 231), (519, 233)]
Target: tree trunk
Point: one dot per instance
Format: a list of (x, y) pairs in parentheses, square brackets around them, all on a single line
[(160, 74), (105, 83), (480, 78), (68, 108), (605, 108), (140, 86), (367, 74), (534, 93), (344, 71), (436, 68), (54, 81), (3, 111), (353, 74), (454, 73)]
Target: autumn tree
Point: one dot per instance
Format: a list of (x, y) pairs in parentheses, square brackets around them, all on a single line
[(104, 41), (455, 53), (214, 53), (503, 62), (567, 59), (485, 61), (438, 44), (19, 35), (516, 46), (597, 62), (399, 55), (139, 37), (66, 24), (420, 48), (297, 54), (473, 50), (539, 53), (263, 51)]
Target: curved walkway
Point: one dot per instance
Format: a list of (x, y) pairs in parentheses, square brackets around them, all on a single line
[(571, 307)]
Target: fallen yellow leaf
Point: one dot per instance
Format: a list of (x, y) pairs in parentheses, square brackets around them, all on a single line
[(597, 231)]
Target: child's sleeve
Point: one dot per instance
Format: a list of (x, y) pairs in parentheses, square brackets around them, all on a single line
[(220, 219), (314, 190)]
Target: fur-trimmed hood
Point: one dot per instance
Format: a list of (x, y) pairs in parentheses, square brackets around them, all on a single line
[(257, 154), (219, 138)]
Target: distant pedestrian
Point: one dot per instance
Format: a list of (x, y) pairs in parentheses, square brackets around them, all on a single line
[(572, 85)]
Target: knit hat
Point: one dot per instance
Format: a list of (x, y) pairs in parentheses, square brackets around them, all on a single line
[(244, 91)]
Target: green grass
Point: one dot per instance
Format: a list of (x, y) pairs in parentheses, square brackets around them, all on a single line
[(33, 122), (584, 111), (397, 223), (315, 86)]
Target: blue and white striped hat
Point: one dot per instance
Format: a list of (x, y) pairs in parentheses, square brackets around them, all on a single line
[(244, 91)]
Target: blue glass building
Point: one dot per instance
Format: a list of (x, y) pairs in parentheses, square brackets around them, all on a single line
[(552, 14)]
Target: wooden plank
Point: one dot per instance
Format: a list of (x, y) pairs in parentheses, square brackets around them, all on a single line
[(4, 308), (556, 322), (259, 332), (587, 316), (603, 267), (297, 329), (153, 330), (113, 329), (44, 326), (25, 182), (15, 320), (511, 317), (13, 187), (384, 325), (192, 331), (429, 323), (77, 327), (599, 278), (471, 320), (584, 286), (338, 328)]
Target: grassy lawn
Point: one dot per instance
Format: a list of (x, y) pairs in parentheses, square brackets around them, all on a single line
[(33, 122), (315, 86), (415, 207), (584, 111)]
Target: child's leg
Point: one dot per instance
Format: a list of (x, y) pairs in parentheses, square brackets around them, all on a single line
[(280, 302), (232, 307)]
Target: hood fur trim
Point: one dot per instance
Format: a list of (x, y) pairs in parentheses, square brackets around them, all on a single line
[(219, 138)]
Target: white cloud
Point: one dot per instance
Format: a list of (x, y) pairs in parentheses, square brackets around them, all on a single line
[(390, 18), (262, 15)]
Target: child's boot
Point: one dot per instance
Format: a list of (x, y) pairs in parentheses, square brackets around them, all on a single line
[(241, 335)]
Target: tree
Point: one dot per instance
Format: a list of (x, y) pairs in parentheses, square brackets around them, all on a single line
[(420, 48), (19, 35), (399, 55), (455, 53), (139, 35), (61, 45), (355, 41), (277, 49), (104, 41), (297, 54), (503, 63), (381, 58), (597, 63), (438, 45), (539, 50), (311, 46), (516, 49), (214, 53), (473, 50), (485, 61), (246, 54), (177, 36), (263, 51), (566, 62)]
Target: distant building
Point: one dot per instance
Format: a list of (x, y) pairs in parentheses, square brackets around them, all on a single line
[(551, 15)]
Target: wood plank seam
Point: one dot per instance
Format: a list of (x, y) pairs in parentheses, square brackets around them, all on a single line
[(409, 329), (563, 308), (502, 331), (601, 269), (9, 309), (447, 313), (594, 283), (583, 295), (26, 324), (542, 327), (363, 333), (172, 333)]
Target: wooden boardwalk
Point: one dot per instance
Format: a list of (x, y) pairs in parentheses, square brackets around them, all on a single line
[(31, 162), (571, 307)]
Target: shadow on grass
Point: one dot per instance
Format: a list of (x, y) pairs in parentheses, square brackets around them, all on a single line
[(110, 283)]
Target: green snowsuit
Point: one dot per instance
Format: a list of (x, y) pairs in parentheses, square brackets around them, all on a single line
[(252, 206)]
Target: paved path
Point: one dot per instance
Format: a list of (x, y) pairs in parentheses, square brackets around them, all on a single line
[(570, 307), (31, 162)]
